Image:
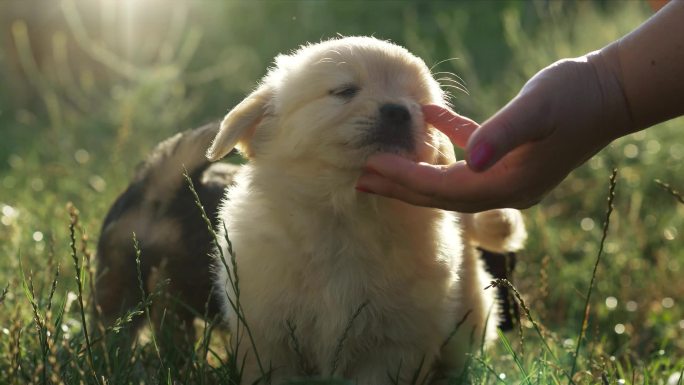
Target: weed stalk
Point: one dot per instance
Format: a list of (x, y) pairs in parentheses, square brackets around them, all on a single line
[(343, 338), (504, 282), (606, 223), (233, 279), (73, 214), (667, 187)]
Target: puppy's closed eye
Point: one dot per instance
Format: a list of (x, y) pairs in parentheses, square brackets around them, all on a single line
[(346, 92)]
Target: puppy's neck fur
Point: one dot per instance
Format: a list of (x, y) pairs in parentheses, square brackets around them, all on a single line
[(323, 189), (307, 205)]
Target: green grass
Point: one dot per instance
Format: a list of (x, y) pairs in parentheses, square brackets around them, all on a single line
[(83, 98)]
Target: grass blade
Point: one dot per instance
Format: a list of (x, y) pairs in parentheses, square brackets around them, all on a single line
[(343, 338), (509, 349), (73, 215), (606, 223)]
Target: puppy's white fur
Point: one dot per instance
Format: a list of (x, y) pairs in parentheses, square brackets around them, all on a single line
[(311, 250)]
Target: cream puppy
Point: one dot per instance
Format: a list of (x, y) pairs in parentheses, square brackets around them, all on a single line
[(332, 281)]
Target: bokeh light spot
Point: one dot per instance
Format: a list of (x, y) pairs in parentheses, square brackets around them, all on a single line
[(82, 156), (631, 151), (37, 236), (631, 306)]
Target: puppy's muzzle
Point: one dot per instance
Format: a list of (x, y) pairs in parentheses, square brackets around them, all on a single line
[(394, 128)]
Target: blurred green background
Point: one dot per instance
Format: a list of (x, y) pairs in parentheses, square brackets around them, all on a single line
[(88, 87)]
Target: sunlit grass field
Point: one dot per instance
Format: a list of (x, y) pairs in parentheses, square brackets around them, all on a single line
[(87, 88)]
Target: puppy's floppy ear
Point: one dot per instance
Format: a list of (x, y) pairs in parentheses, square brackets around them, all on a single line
[(237, 128)]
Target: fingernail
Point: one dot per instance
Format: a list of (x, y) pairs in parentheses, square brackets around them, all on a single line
[(363, 189), (481, 155)]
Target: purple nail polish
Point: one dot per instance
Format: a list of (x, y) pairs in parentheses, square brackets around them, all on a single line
[(481, 155)]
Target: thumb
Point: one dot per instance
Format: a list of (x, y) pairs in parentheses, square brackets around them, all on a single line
[(519, 122)]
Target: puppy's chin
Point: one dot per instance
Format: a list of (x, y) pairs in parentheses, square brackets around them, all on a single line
[(353, 157), (396, 150), (416, 150)]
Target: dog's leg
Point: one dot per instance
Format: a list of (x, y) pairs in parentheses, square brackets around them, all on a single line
[(172, 318), (477, 315), (116, 291), (277, 362), (392, 363)]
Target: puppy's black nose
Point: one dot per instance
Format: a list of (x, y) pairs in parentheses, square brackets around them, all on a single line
[(394, 114), (394, 127)]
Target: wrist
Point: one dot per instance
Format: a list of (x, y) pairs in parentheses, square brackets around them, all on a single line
[(617, 116)]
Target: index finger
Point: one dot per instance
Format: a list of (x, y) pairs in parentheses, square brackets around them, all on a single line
[(457, 127)]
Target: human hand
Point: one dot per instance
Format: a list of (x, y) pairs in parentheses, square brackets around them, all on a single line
[(563, 115)]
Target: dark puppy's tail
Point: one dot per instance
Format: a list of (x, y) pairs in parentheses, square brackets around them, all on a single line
[(162, 171), (159, 179)]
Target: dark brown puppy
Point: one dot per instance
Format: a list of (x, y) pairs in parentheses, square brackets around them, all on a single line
[(160, 209)]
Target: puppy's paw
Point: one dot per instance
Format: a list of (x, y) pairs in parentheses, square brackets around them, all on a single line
[(500, 230)]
